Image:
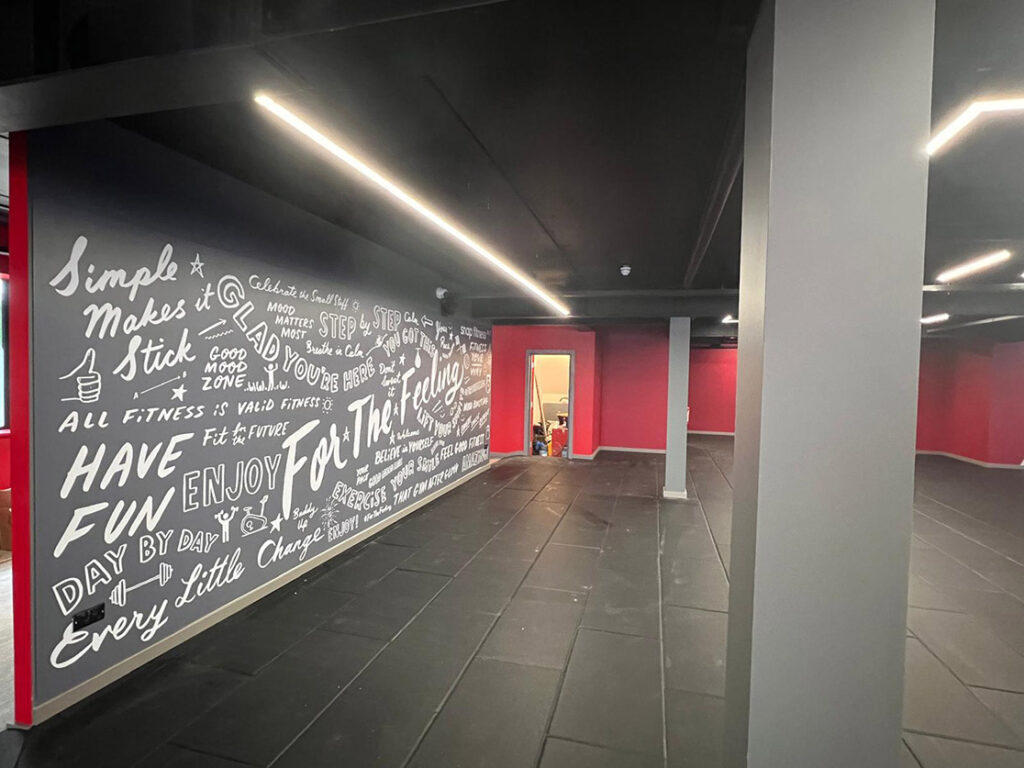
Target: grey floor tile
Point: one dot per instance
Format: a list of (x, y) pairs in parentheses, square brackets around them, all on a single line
[(583, 526), (934, 701), (940, 570), (921, 594), (559, 753), (127, 721), (625, 602), (263, 715), (471, 731), (379, 719), (511, 498), (171, 756), (907, 759), (695, 583), (968, 648), (687, 542), (369, 565), (560, 566), (611, 695), (515, 548), (1008, 706), (695, 650), (249, 645), (485, 584), (695, 729), (308, 607), (383, 609), (934, 752), (446, 562), (559, 494), (538, 628), (534, 523)]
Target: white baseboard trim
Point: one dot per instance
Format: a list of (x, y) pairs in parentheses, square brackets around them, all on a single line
[(629, 450), (969, 460), (496, 456), (48, 709), (666, 493), (710, 432)]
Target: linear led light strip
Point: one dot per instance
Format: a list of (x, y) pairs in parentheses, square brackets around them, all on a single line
[(932, 319), (968, 116), (400, 194), (974, 265)]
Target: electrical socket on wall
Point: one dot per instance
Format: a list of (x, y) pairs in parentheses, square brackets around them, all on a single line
[(89, 616)]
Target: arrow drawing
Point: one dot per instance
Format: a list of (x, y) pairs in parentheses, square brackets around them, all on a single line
[(209, 328), (157, 386)]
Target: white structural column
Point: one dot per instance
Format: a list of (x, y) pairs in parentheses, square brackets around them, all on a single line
[(678, 402), (834, 198)]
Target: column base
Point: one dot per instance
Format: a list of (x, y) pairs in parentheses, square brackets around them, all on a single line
[(666, 493)]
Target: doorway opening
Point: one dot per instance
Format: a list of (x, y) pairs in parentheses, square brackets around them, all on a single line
[(549, 409)]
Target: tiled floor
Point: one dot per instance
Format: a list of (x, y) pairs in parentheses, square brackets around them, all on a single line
[(964, 700), (523, 620)]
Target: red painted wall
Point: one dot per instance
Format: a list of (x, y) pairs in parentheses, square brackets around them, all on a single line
[(971, 400), (970, 403), (508, 383), (5, 435), (634, 386), (1006, 428), (713, 390), (621, 385)]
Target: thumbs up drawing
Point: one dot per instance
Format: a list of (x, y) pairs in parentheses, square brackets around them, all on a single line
[(87, 378)]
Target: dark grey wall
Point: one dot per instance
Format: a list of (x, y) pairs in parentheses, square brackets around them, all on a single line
[(268, 386)]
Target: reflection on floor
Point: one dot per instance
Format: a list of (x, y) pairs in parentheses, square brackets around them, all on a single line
[(964, 699), (523, 620)]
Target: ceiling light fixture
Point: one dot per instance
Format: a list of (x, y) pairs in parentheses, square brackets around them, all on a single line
[(968, 116), (973, 266), (411, 202), (729, 320), (932, 319)]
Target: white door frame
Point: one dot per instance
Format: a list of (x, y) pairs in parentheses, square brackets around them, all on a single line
[(528, 412)]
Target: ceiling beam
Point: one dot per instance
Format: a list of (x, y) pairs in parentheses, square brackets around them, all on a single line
[(594, 306), (974, 299), (132, 80), (728, 170)]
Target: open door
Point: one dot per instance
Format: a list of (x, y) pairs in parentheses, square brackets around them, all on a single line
[(549, 409)]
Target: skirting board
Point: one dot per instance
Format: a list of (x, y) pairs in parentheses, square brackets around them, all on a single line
[(57, 704), (709, 432), (628, 450), (507, 455), (588, 456), (969, 460), (666, 493)]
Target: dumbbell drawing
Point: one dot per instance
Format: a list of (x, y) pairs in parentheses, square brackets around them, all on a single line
[(119, 593), (88, 381), (255, 523), (224, 518)]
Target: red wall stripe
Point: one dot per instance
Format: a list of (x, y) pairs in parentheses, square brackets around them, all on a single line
[(21, 477)]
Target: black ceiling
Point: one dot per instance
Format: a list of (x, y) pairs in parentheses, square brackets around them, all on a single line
[(570, 137)]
